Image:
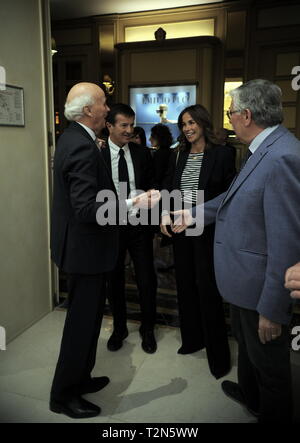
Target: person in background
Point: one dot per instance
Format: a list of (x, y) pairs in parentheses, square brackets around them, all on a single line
[(292, 280), (256, 241), (161, 140), (200, 163), (223, 137), (139, 136)]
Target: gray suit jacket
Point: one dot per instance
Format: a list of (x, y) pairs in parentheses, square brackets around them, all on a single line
[(257, 233)]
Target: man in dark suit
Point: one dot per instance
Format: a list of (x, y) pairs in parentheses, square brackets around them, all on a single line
[(131, 165), (81, 247), (256, 240)]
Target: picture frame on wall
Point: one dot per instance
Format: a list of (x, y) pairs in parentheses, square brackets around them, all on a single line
[(12, 106)]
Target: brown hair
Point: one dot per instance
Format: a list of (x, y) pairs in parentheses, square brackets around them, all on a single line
[(201, 116)]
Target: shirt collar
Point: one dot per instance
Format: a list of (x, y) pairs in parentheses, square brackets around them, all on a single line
[(88, 130), (115, 148), (257, 141)]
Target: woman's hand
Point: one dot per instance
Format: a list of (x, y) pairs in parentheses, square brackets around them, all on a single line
[(183, 219), (166, 221)]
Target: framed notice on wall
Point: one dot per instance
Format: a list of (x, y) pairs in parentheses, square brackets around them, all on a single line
[(12, 106)]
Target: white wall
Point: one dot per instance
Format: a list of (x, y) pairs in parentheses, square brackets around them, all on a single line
[(25, 269)]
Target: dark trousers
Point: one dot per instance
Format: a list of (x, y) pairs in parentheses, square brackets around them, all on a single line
[(80, 335), (200, 306), (138, 241), (264, 372)]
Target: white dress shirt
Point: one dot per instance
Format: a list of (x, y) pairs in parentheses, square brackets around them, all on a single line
[(89, 131), (257, 141), (114, 155)]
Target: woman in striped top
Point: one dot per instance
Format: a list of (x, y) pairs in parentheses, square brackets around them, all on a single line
[(199, 164)]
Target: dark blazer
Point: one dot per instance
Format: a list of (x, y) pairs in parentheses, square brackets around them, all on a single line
[(142, 165), (217, 171), (78, 243), (161, 159)]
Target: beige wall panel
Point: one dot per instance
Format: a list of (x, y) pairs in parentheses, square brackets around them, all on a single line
[(285, 62), (288, 94), (192, 28), (279, 16), (106, 42), (164, 66), (206, 78), (25, 293), (78, 36), (234, 63), (289, 116), (236, 29)]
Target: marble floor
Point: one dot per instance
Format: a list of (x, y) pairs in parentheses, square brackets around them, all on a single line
[(160, 388)]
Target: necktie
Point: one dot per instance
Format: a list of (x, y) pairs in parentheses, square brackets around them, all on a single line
[(247, 156), (123, 171)]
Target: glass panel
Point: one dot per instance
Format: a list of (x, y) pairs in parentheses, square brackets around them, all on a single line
[(161, 104), (228, 86), (193, 28)]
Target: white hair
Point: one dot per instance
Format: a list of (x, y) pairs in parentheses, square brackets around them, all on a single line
[(263, 98), (74, 108)]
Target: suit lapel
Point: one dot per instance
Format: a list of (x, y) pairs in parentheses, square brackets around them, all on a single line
[(253, 161), (206, 168), (75, 126), (107, 158), (136, 164), (181, 162)]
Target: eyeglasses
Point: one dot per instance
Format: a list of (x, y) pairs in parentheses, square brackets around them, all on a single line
[(229, 113)]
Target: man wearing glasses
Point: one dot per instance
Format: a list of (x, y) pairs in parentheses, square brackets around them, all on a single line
[(256, 240)]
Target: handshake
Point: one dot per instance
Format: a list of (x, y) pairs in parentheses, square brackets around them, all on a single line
[(146, 200)]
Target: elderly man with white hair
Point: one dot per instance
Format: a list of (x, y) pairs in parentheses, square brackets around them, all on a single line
[(83, 247)]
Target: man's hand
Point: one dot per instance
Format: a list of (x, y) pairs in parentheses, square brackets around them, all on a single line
[(100, 143), (146, 200), (183, 219), (292, 280), (268, 330), (166, 221)]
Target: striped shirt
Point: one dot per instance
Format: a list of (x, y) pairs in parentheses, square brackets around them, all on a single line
[(190, 178)]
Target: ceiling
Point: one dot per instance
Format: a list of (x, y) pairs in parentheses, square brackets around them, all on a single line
[(67, 9)]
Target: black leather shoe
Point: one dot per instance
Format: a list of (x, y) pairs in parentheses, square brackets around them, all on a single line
[(115, 342), (148, 341), (93, 385), (233, 391), (221, 374), (189, 349), (75, 407)]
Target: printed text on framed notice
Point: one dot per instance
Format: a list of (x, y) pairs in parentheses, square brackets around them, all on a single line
[(12, 106)]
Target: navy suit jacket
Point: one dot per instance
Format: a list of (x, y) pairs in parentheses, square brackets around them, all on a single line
[(257, 234)]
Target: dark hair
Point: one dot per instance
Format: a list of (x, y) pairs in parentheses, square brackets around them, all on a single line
[(140, 131), (201, 116), (163, 135), (119, 108)]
